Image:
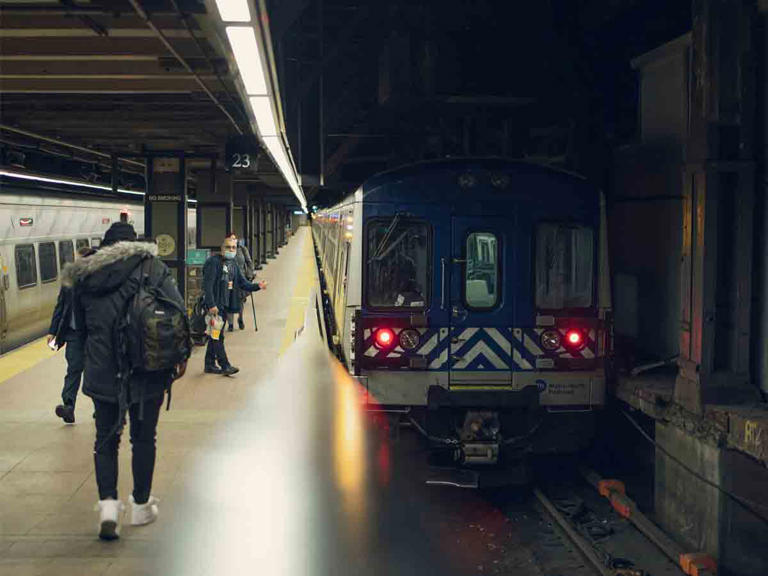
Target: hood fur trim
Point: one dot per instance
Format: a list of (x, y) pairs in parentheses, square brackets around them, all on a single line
[(76, 271)]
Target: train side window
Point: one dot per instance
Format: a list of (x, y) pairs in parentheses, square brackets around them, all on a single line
[(66, 252), (81, 243), (564, 266), (26, 267), (481, 274), (48, 270)]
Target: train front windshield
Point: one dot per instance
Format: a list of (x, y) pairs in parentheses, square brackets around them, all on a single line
[(397, 263)]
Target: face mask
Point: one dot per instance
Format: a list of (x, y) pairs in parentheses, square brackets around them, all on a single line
[(229, 255), (241, 242)]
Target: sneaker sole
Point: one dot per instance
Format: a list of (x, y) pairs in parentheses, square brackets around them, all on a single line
[(108, 530)]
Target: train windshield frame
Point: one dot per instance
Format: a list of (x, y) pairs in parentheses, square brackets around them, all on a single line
[(398, 263), (565, 266)]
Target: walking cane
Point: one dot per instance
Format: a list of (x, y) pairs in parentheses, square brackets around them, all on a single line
[(253, 307)]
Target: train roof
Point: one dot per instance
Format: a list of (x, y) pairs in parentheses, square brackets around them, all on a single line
[(428, 167)]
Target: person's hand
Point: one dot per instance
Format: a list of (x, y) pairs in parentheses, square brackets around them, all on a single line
[(262, 284), (50, 338), (213, 311), (181, 369)]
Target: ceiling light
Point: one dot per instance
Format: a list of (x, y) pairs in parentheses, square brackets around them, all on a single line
[(264, 114), (36, 178), (234, 10), (248, 58)]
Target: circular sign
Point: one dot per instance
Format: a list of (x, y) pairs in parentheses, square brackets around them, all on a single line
[(165, 245)]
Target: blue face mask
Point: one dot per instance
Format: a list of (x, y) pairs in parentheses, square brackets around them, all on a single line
[(241, 242), (229, 255)]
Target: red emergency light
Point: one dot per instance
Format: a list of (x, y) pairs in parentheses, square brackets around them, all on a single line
[(384, 337), (574, 338)]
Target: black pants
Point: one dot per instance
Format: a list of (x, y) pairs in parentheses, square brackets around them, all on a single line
[(74, 351), (215, 351), (143, 442)]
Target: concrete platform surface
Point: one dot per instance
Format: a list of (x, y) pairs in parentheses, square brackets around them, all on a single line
[(47, 483)]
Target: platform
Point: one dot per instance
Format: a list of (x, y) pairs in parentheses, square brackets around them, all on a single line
[(47, 483)]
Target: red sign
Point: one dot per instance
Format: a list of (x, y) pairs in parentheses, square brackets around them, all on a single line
[(105, 220), (26, 221)]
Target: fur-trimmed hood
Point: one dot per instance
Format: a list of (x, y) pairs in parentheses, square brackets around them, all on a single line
[(108, 267)]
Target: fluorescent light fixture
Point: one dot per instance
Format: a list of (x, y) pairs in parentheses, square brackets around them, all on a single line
[(234, 10), (248, 58), (34, 177), (264, 114)]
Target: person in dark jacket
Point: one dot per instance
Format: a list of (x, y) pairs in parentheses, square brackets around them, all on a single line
[(222, 282), (103, 284), (64, 332), (245, 263)]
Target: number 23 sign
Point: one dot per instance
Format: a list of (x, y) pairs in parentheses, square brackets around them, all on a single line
[(238, 160)]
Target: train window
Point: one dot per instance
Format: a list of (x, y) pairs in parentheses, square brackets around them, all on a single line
[(564, 266), (481, 279), (66, 252), (81, 243), (48, 270), (397, 270), (26, 267)]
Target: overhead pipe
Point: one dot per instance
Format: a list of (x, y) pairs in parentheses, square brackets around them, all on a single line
[(66, 144), (144, 16)]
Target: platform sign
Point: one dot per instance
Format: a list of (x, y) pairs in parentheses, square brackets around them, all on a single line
[(197, 257), (243, 155)]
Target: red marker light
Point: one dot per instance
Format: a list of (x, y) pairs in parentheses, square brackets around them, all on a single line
[(574, 338), (384, 337)]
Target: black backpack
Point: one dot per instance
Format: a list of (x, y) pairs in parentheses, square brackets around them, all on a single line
[(156, 327), (197, 322)]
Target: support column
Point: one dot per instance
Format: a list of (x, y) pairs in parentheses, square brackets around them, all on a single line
[(718, 211), (165, 212)]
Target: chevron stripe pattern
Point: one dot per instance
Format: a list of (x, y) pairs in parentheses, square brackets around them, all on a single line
[(478, 349)]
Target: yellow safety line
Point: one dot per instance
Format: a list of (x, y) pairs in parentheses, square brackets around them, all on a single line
[(306, 278), (21, 359)]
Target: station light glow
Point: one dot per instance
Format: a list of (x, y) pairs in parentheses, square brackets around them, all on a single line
[(264, 114), (37, 178), (248, 54), (234, 10), (248, 58)]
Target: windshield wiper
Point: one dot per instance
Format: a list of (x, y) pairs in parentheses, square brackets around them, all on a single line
[(380, 248)]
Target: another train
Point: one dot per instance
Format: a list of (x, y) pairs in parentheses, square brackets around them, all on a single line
[(473, 296), (39, 234)]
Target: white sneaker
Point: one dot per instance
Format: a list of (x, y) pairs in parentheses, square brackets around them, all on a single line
[(109, 518), (144, 513)]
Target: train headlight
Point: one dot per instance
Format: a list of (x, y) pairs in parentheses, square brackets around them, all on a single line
[(384, 338), (550, 340), (575, 339), (409, 339)]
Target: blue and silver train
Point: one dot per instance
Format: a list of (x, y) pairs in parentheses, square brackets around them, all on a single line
[(473, 296)]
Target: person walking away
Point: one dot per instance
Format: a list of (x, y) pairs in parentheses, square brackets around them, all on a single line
[(222, 280), (107, 287), (64, 333), (245, 263)]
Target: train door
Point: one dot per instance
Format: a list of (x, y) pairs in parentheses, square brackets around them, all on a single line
[(4, 282), (481, 302)]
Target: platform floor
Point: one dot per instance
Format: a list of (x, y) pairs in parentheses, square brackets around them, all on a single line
[(47, 483)]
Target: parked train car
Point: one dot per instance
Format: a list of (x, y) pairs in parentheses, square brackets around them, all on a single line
[(39, 234), (473, 296)]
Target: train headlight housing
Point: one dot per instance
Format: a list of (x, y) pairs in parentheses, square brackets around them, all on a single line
[(384, 338), (550, 340), (409, 339)]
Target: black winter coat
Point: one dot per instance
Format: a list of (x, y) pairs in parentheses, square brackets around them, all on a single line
[(103, 283), (61, 326), (214, 288)]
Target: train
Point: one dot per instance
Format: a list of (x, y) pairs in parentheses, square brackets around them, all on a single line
[(39, 234), (471, 298)]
